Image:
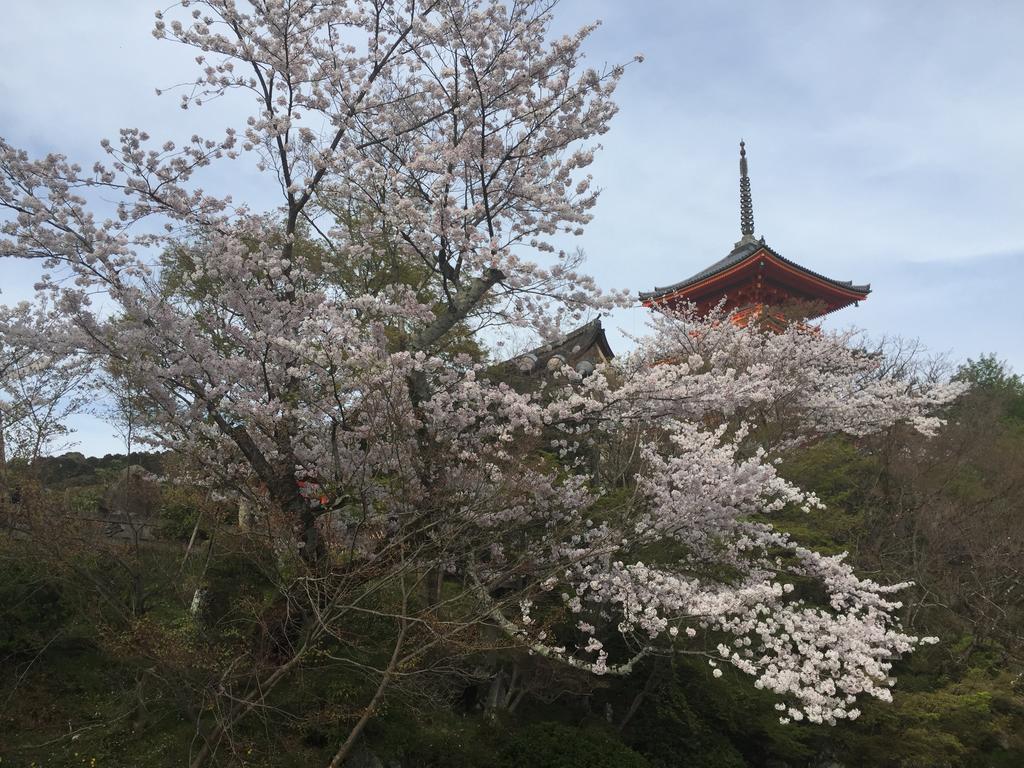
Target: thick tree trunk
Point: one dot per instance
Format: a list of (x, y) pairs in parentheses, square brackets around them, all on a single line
[(465, 301)]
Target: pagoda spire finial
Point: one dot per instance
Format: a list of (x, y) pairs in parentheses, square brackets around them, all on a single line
[(746, 201)]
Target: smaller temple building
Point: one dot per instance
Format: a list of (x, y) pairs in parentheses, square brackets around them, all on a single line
[(757, 282), (583, 349)]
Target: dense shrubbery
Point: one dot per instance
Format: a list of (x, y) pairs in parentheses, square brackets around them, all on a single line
[(32, 611), (553, 745), (75, 470)]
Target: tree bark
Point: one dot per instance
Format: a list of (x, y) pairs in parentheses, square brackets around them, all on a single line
[(464, 302)]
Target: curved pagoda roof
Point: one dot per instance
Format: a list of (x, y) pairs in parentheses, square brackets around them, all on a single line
[(585, 343), (752, 273), (749, 259)]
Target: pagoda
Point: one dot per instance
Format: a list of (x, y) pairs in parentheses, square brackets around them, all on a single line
[(755, 281)]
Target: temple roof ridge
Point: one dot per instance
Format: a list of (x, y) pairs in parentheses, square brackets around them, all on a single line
[(570, 348), (744, 249)]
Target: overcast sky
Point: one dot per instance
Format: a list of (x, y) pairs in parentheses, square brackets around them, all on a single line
[(884, 140)]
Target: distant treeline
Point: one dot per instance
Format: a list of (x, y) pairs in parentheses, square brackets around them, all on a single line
[(77, 469)]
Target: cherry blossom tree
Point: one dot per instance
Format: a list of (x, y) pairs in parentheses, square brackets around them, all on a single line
[(40, 386), (594, 519)]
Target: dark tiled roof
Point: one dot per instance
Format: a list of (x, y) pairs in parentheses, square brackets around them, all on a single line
[(570, 347), (576, 341), (742, 251)]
